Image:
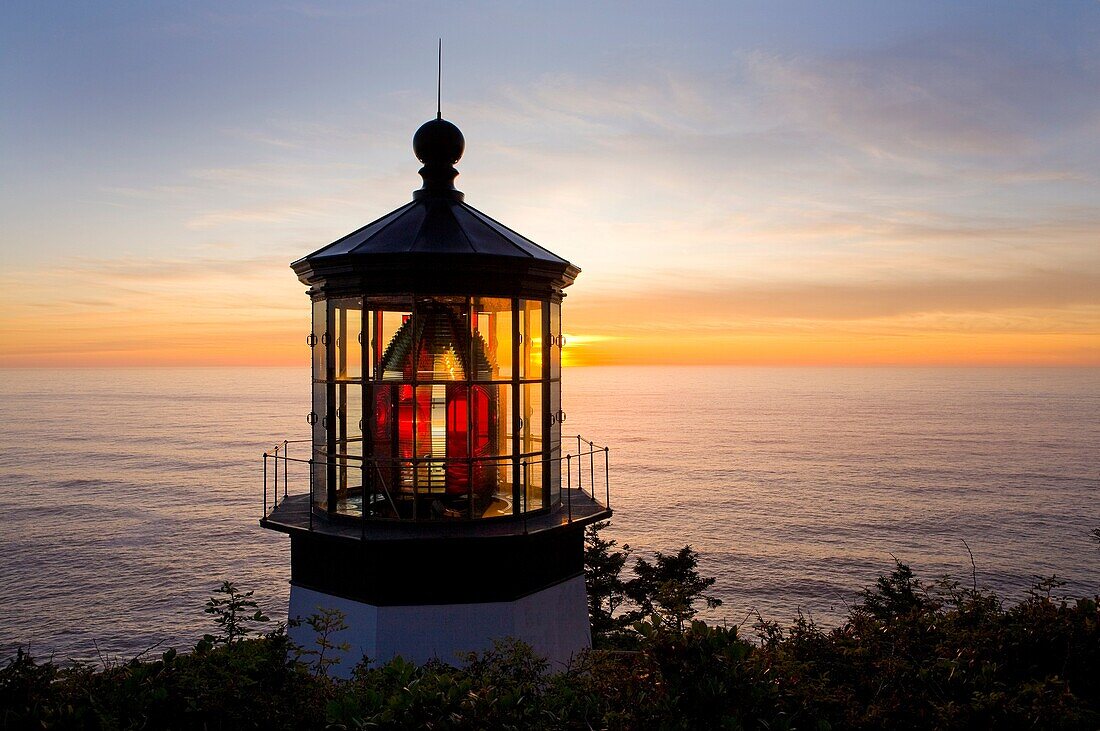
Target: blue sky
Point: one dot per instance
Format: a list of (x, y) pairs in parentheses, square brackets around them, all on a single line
[(869, 170)]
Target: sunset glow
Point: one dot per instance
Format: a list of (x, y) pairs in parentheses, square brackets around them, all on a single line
[(921, 192)]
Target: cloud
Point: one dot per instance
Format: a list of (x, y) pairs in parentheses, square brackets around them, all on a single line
[(941, 183), (180, 310), (916, 119), (158, 271), (718, 305), (276, 212)]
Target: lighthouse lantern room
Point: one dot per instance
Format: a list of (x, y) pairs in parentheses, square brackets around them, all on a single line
[(434, 516)]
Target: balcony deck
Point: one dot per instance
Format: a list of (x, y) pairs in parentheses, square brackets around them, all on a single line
[(292, 515)]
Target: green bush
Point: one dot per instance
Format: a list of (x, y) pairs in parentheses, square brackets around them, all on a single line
[(909, 656)]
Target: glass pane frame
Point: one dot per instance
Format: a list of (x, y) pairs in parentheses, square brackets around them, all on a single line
[(491, 320), (319, 480), (554, 342), (346, 331), (319, 340), (532, 482), (531, 358), (532, 419), (501, 505), (554, 439), (521, 398)]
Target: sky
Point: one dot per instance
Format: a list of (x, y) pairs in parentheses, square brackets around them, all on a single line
[(774, 183)]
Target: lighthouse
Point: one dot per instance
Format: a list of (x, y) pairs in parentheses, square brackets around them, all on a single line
[(437, 506)]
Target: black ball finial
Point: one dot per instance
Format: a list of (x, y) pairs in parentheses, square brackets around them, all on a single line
[(438, 143)]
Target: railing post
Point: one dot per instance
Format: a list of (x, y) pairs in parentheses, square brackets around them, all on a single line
[(375, 478), (275, 482), (469, 476), (607, 476), (569, 485), (523, 467), (580, 473), (580, 465), (311, 493), (286, 468), (592, 469), (265, 484), (415, 476)]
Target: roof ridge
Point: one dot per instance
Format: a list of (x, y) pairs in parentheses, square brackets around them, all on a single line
[(470, 217), (326, 247), (459, 225), (512, 230), (402, 209), (416, 236)]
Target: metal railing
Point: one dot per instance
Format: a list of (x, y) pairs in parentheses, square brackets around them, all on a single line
[(581, 475), (279, 452)]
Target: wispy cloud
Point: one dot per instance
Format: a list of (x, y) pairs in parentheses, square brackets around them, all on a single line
[(723, 304), (199, 310), (926, 188)]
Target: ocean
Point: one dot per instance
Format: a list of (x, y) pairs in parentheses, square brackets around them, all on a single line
[(128, 495)]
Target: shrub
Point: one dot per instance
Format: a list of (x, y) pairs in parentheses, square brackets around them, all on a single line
[(910, 655)]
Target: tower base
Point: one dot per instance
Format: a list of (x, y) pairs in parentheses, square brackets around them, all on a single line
[(553, 621)]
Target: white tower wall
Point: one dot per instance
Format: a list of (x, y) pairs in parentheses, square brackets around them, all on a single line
[(554, 621)]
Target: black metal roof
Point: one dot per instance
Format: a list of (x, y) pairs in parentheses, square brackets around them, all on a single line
[(436, 225), (437, 242)]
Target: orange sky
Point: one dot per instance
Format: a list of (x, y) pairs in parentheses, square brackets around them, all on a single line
[(257, 314), (891, 184)]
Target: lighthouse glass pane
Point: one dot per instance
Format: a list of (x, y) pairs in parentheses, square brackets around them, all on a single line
[(380, 419), (385, 316), (347, 321), (431, 421), (354, 421), (394, 345), (443, 339), (365, 344), (492, 339), (406, 408), (505, 421), (530, 475), (554, 474), (392, 437), (319, 346), (555, 442), (530, 344), (349, 447), (384, 473), (493, 417), (320, 479), (431, 482), (498, 501), (531, 412), (555, 340), (317, 416)]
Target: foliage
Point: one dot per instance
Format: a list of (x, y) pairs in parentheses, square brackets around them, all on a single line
[(667, 590), (246, 684), (325, 624), (910, 655), (664, 591), (233, 613), (500, 688), (603, 566)]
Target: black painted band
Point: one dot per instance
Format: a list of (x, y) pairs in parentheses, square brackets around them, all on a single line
[(437, 570)]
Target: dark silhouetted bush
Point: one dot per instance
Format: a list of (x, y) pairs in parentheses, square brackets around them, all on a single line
[(909, 656)]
